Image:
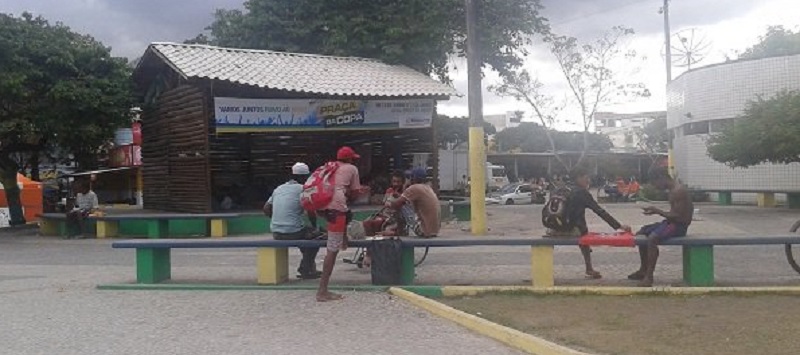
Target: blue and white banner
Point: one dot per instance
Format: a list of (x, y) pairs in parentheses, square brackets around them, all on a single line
[(253, 115)]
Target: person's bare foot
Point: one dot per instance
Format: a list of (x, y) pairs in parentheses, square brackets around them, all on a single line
[(639, 275), (646, 282), (593, 275), (328, 296)]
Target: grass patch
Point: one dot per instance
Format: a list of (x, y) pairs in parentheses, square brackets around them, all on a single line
[(647, 323)]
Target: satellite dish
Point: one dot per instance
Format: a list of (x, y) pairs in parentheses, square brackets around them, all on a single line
[(689, 47)]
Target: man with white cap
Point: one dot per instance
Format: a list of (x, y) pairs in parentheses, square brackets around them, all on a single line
[(287, 222)]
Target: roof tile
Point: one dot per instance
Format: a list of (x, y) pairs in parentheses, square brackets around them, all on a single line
[(307, 73)]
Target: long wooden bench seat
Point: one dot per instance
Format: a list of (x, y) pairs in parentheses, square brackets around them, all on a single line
[(157, 224), (153, 256)]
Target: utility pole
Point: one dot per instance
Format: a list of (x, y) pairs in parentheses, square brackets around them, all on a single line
[(668, 62), (477, 150), (667, 35)]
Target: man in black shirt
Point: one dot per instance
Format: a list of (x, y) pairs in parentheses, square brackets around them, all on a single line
[(579, 200)]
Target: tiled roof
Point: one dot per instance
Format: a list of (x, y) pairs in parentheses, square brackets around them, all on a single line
[(307, 73)]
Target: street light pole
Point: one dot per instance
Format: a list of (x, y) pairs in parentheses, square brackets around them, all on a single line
[(477, 150)]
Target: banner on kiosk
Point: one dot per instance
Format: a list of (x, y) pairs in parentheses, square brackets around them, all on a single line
[(255, 115)]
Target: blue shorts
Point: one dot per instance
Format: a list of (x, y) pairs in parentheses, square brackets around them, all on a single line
[(664, 230)]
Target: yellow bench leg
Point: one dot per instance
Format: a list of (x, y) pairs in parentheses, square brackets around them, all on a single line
[(766, 199), (273, 265), (107, 229), (219, 228), (542, 266), (49, 227)]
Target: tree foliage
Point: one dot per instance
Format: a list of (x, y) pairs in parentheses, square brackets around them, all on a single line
[(778, 41), (767, 132), (654, 137), (58, 89), (531, 137), (589, 74), (452, 131), (421, 34)]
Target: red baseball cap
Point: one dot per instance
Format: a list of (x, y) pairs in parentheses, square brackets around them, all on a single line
[(347, 153)]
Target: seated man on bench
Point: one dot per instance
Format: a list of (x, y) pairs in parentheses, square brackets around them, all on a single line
[(564, 216), (85, 205), (675, 224), (286, 214), (424, 202)]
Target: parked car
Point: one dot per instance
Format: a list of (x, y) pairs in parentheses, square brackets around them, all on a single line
[(512, 194)]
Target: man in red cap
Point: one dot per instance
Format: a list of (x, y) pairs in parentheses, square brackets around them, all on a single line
[(338, 215)]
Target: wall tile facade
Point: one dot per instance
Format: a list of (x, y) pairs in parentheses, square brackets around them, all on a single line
[(721, 92)]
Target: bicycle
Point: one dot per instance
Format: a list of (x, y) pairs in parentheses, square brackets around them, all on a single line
[(788, 249), (412, 225)]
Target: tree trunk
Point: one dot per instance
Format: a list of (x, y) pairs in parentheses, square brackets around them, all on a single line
[(8, 177), (34, 165)]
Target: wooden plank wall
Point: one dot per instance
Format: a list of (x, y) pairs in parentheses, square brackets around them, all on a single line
[(248, 166), (174, 152)]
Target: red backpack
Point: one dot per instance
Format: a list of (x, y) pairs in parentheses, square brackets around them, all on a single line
[(319, 188)]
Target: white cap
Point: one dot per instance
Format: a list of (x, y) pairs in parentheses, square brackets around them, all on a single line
[(300, 169)]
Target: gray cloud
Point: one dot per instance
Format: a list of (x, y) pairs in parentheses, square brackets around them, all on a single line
[(129, 25), (584, 18)]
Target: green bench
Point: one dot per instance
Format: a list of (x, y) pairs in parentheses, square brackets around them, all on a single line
[(153, 262), (157, 224), (763, 198)]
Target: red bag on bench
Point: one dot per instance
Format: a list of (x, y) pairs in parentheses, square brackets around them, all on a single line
[(618, 239)]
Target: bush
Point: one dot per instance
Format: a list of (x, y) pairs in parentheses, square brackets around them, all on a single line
[(649, 192)]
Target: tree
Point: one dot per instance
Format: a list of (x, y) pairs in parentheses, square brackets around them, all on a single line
[(452, 131), (421, 34), (530, 137), (778, 41), (58, 90), (767, 132), (588, 72), (654, 137)]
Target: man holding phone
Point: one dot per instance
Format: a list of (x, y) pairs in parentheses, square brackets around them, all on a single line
[(675, 224)]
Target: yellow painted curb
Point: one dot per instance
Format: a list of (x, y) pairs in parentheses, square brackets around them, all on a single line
[(460, 291), (505, 335)]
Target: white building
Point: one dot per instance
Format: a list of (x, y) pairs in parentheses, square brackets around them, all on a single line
[(705, 100), (624, 129), (500, 122)]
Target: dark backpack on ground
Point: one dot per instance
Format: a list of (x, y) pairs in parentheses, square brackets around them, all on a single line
[(554, 213)]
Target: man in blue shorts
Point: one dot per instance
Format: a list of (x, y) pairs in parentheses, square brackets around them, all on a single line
[(675, 224)]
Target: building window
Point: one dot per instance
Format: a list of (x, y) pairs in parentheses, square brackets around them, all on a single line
[(717, 126), (694, 128)]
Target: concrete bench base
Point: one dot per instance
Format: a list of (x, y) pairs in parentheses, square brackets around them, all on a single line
[(157, 226), (763, 198)]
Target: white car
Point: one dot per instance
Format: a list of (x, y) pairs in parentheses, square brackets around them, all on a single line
[(512, 194)]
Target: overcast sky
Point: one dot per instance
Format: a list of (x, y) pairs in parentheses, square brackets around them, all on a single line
[(728, 25)]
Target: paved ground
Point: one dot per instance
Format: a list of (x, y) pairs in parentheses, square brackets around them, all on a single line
[(49, 304)]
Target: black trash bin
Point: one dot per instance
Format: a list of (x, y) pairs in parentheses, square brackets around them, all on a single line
[(386, 261)]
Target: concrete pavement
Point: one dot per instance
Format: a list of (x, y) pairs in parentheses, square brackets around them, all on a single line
[(49, 304)]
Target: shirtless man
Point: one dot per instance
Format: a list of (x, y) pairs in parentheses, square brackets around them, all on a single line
[(675, 224)]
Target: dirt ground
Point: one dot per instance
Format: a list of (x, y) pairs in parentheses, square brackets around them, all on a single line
[(652, 325)]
